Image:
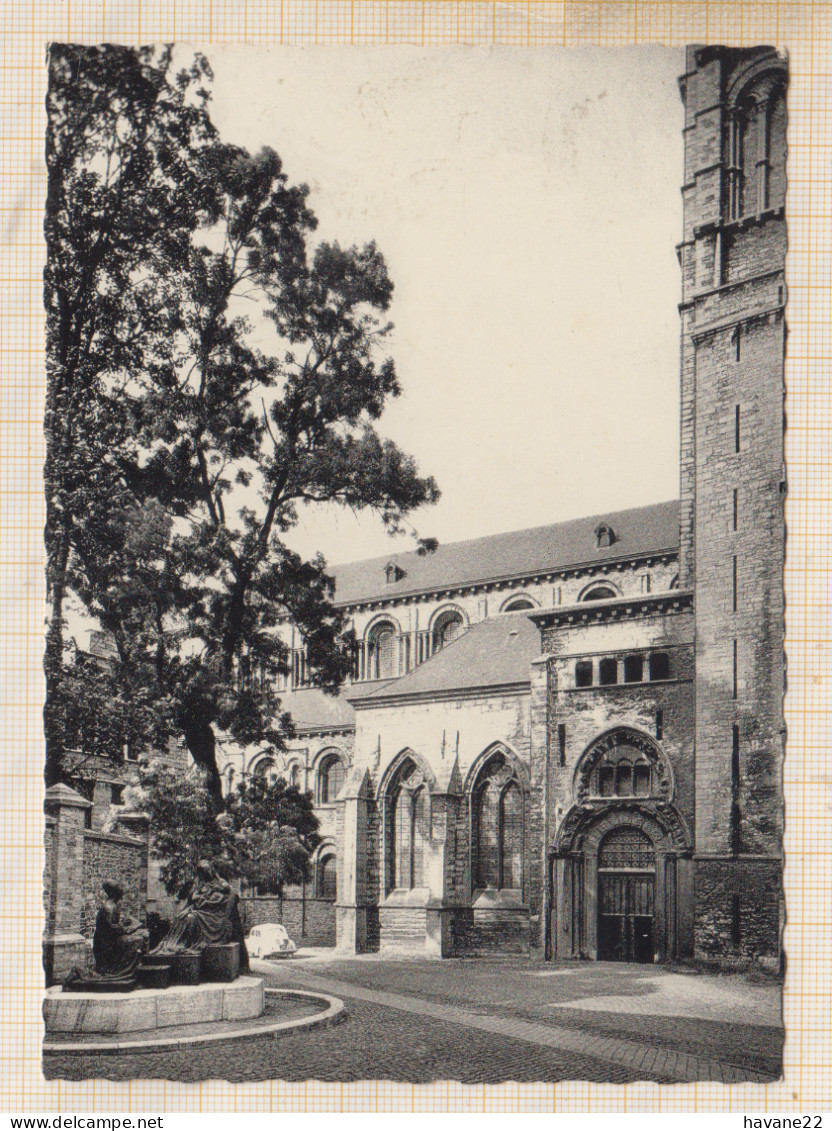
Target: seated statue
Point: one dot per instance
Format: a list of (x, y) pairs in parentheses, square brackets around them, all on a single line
[(205, 917), (117, 944)]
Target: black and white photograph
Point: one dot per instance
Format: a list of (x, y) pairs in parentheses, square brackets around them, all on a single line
[(415, 541)]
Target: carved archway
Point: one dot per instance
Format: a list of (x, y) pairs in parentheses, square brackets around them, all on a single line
[(611, 750)]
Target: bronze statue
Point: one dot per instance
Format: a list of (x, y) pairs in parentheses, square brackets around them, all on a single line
[(205, 917), (118, 944)]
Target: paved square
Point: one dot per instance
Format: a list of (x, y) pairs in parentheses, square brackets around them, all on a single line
[(482, 1021)]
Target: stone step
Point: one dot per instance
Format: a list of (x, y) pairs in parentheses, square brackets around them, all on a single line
[(154, 977)]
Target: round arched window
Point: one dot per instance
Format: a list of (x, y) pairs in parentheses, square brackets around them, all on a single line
[(518, 605), (330, 778), (381, 652), (599, 593), (448, 627), (266, 770), (327, 878)]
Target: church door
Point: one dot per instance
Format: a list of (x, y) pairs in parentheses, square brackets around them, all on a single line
[(626, 896)]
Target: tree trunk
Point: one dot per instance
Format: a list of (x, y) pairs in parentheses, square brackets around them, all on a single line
[(202, 746), (53, 662)]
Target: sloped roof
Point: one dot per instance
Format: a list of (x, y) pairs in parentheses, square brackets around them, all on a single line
[(493, 653), (542, 549)]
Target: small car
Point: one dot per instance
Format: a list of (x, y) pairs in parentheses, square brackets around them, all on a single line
[(270, 940)]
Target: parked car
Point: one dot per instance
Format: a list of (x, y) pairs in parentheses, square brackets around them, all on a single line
[(270, 940)]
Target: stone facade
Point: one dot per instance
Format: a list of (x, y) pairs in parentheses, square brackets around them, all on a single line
[(571, 738)]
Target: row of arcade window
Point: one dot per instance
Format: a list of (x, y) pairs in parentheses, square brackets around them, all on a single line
[(635, 669), (331, 775)]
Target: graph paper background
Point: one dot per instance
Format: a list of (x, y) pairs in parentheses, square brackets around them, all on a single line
[(803, 28)]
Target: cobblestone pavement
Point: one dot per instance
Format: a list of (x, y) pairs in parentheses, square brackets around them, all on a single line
[(525, 1001), (487, 1022)]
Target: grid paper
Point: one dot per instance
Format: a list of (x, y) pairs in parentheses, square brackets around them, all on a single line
[(804, 28)]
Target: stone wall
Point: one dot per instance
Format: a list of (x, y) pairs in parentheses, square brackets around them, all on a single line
[(310, 921), (733, 340), (738, 909)]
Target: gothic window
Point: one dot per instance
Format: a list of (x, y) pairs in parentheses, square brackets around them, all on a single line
[(330, 778), (498, 827), (599, 593), (633, 669), (659, 665), (408, 829), (583, 673), (447, 628), (608, 671), (380, 652), (327, 878)]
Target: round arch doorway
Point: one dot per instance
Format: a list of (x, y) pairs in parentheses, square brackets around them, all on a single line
[(626, 896)]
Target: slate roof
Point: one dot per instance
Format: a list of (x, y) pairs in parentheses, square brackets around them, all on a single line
[(313, 709), (521, 553), (495, 652)]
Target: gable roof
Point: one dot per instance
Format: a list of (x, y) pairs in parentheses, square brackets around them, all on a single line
[(495, 652), (541, 549)]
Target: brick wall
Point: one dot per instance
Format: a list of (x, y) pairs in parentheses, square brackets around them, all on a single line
[(119, 858)]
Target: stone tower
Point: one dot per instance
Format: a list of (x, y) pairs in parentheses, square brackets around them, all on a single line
[(732, 484)]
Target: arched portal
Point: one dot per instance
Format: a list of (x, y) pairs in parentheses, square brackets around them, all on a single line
[(626, 896), (615, 872)]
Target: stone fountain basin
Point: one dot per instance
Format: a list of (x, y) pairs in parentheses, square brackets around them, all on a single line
[(140, 1010)]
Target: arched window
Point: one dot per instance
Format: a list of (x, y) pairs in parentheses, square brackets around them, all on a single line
[(659, 665), (294, 775), (518, 604), (327, 886), (608, 671), (330, 778), (633, 669), (448, 626), (381, 652), (623, 771), (583, 673), (498, 827), (229, 780), (408, 829), (756, 158), (599, 593), (266, 770)]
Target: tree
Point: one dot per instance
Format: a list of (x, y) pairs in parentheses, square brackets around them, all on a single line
[(123, 133), (265, 833), (183, 557)]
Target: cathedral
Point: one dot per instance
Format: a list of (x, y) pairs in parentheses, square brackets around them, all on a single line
[(569, 739)]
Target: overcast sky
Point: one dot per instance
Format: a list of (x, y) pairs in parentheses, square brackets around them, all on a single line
[(528, 205)]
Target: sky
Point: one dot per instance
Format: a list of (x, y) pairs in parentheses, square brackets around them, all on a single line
[(527, 202)]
